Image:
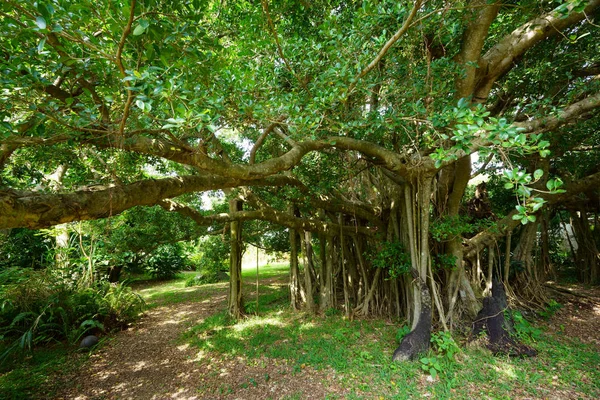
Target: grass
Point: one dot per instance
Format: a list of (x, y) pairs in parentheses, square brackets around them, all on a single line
[(360, 351), (270, 270), (173, 291)]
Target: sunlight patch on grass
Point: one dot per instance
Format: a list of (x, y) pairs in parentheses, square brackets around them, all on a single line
[(253, 322), (307, 326), (506, 370), (270, 270)]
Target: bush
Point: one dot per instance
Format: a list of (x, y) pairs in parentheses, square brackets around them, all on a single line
[(118, 305), (38, 307), (165, 262), (215, 257)]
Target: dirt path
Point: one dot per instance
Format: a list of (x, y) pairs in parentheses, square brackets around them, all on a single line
[(149, 362), (580, 315)]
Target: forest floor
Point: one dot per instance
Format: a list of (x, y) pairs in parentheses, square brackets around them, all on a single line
[(185, 347)]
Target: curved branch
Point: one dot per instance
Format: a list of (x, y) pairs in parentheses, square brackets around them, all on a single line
[(499, 59), (386, 47), (169, 150)]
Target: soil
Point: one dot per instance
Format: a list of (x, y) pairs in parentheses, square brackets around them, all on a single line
[(580, 315), (149, 361)]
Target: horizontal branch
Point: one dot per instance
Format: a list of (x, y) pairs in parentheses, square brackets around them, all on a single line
[(266, 214), (39, 210), (564, 116)]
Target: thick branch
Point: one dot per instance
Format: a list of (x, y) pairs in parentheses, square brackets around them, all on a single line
[(564, 116), (265, 214), (472, 43), (39, 210), (169, 150), (499, 59)]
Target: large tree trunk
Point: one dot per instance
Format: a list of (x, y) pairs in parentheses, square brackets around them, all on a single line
[(491, 319), (417, 201), (417, 341), (235, 300)]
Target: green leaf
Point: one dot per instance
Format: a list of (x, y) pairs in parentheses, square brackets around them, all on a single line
[(538, 174), (508, 185), (531, 218), (40, 22), (139, 30), (433, 372), (424, 360), (40, 47)]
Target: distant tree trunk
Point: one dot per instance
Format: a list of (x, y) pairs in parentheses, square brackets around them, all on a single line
[(527, 283), (61, 255), (114, 273), (308, 272), (62, 230), (295, 295), (327, 299), (587, 255), (235, 300)]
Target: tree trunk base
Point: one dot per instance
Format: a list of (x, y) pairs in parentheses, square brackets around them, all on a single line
[(491, 320), (417, 341)]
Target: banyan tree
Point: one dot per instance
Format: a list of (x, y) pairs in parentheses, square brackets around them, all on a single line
[(356, 126)]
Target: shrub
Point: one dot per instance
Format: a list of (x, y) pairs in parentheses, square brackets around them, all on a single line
[(215, 258), (165, 262), (118, 305), (205, 278), (38, 307)]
